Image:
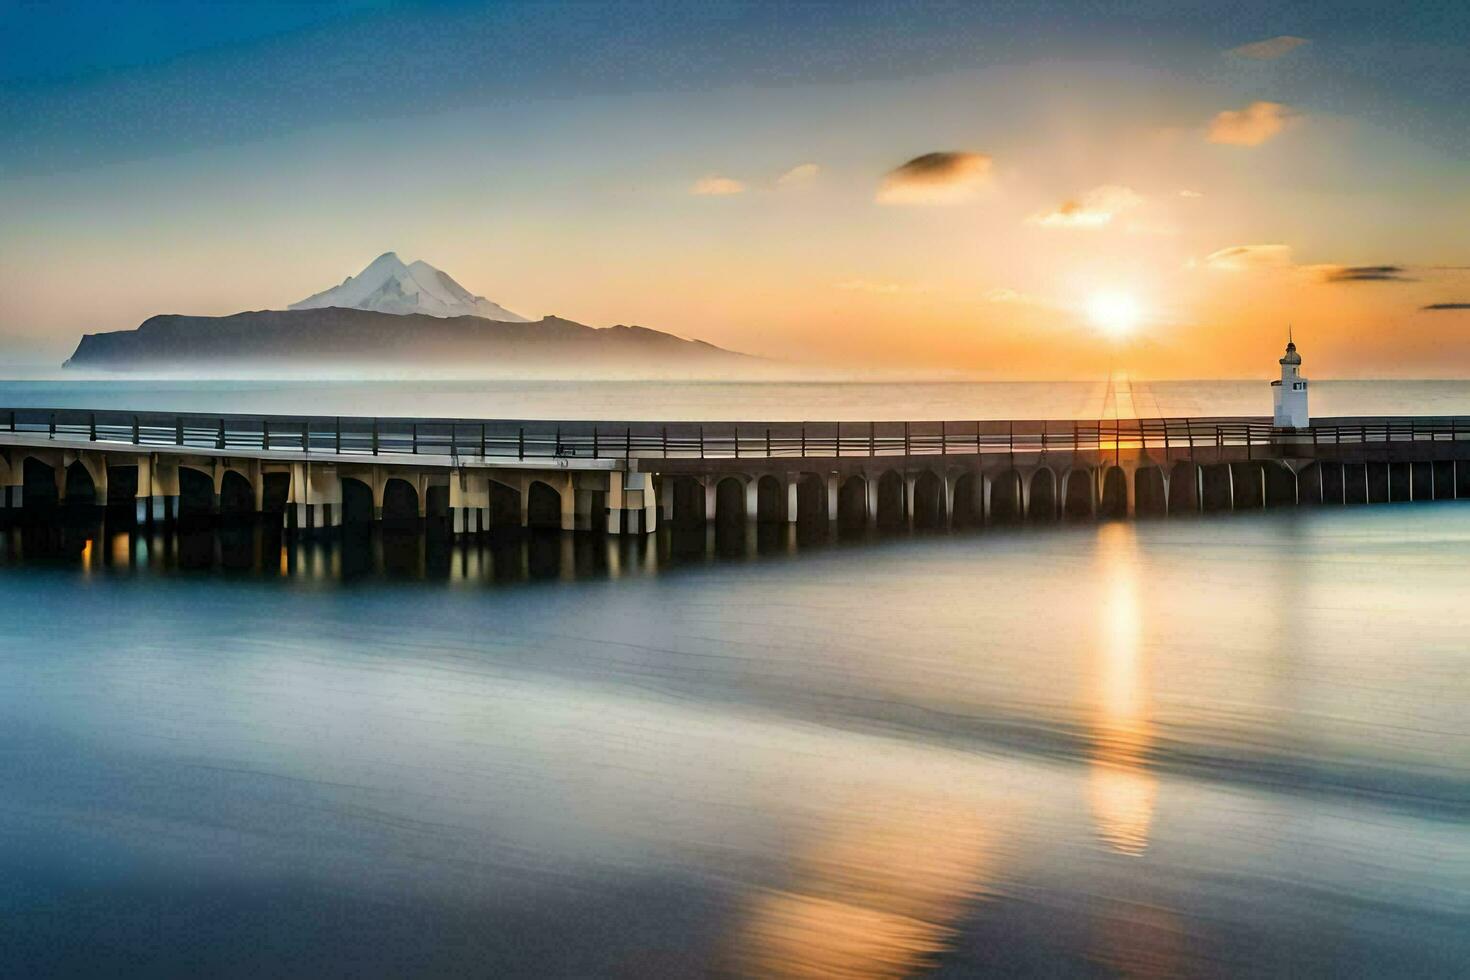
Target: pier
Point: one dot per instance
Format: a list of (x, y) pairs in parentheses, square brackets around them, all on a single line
[(319, 473)]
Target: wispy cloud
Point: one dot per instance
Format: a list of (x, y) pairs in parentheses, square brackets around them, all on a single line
[(1271, 48), (1365, 273), (950, 177), (1189, 193), (799, 174), (1243, 258), (1004, 295), (1446, 306), (1095, 209), (714, 185), (1251, 126), (884, 288)]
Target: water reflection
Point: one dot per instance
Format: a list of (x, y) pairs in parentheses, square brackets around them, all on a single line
[(1121, 788), (878, 895), (93, 540)]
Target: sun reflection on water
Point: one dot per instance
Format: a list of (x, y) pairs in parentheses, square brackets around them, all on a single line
[(1121, 788)]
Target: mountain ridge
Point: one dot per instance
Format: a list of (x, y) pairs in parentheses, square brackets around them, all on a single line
[(344, 337)]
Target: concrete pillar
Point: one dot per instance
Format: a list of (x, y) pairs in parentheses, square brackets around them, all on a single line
[(161, 488), (711, 498), (1130, 491), (1023, 492), (834, 489), (1199, 487), (946, 487), (870, 494), (987, 485), (315, 497), (568, 497), (792, 487), (909, 480), (469, 502), (752, 500), (632, 503), (665, 491)]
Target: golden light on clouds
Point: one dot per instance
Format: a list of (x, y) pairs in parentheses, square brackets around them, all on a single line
[(799, 174), (1242, 258), (1251, 126), (1271, 48), (714, 185), (949, 177), (1095, 209)]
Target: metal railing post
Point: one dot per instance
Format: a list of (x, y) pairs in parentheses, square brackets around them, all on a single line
[(628, 443), (414, 435), (482, 440), (768, 444), (92, 427), (265, 433), (219, 440), (338, 436), (375, 437), (737, 442), (870, 440), (595, 449), (666, 442), (943, 438), (179, 430), (137, 432), (51, 427), (701, 442), (521, 443)]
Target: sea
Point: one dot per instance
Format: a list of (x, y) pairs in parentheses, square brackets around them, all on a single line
[(1224, 745)]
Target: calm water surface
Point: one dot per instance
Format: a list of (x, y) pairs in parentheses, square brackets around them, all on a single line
[(1197, 747)]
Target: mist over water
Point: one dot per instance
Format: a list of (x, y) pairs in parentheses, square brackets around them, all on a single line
[(837, 400), (1197, 746)]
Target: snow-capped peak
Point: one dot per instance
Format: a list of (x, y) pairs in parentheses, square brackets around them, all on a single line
[(389, 286)]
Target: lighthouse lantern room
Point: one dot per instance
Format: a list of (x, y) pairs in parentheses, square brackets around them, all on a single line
[(1289, 395)]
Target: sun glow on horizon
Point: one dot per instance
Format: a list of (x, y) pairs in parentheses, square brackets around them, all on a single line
[(1116, 315)]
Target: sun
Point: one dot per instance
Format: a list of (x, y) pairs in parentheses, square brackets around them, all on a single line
[(1116, 315)]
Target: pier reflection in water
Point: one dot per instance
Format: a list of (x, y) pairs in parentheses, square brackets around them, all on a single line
[(263, 548)]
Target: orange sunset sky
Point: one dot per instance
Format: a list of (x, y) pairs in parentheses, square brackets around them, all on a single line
[(1037, 194)]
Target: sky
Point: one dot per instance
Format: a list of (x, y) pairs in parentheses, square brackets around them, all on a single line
[(1011, 190)]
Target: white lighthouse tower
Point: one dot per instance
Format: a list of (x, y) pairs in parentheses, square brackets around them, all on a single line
[(1289, 395)]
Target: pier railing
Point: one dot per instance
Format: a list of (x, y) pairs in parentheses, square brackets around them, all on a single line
[(513, 439)]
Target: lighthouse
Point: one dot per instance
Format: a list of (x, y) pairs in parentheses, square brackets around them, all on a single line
[(1289, 395)]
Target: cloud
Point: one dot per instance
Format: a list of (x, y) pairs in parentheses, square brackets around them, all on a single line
[(950, 177), (1446, 306), (1242, 258), (885, 288), (1270, 49), (1189, 193), (1003, 295), (1365, 273), (799, 174), (1251, 126), (713, 185), (1095, 209)]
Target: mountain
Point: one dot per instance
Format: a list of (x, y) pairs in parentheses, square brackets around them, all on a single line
[(336, 338), (389, 286)]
